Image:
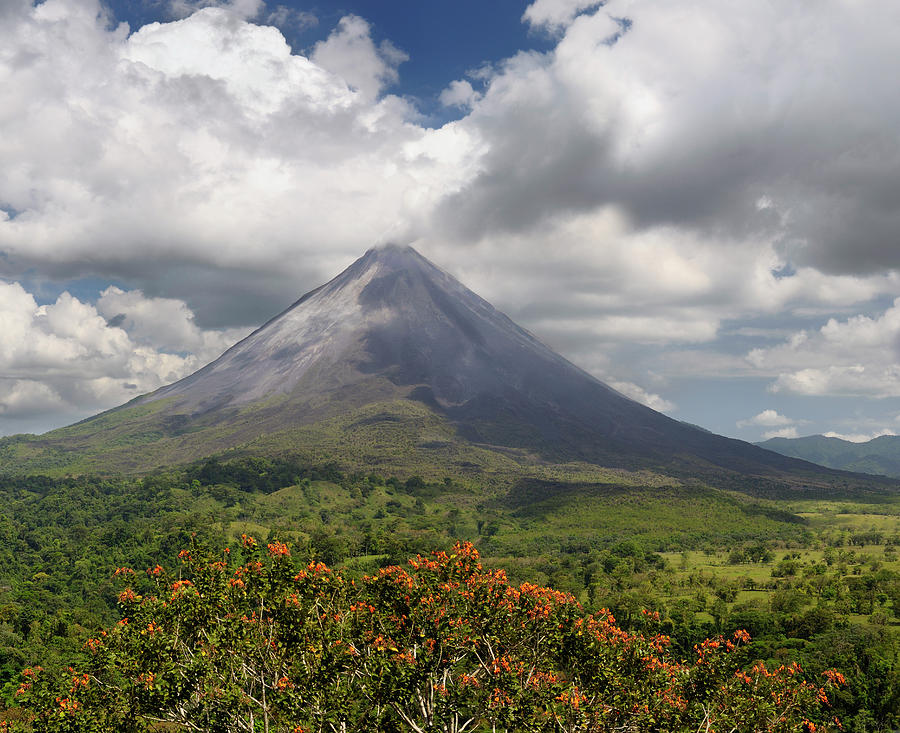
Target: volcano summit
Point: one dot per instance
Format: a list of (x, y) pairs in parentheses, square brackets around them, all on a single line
[(396, 362)]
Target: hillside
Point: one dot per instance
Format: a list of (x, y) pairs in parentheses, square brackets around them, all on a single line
[(880, 456)]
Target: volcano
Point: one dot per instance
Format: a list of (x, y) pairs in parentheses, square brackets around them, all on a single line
[(396, 357), (395, 326)]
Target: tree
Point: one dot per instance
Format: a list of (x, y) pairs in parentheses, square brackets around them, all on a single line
[(260, 643)]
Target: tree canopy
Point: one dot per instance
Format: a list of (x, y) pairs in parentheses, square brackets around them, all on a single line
[(251, 640)]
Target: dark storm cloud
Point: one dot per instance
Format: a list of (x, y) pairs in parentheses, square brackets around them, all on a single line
[(776, 121)]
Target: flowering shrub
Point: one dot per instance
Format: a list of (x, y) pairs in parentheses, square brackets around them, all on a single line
[(441, 645)]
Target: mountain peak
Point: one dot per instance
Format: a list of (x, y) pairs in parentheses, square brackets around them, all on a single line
[(379, 262), (392, 251), (394, 256)]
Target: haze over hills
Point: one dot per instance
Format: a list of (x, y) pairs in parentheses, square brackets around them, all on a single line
[(880, 456), (395, 363)]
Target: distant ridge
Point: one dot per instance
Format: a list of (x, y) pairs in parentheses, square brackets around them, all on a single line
[(879, 456), (396, 361)]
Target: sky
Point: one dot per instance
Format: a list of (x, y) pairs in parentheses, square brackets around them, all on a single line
[(698, 201)]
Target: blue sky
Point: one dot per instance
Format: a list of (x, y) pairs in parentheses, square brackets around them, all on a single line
[(693, 200)]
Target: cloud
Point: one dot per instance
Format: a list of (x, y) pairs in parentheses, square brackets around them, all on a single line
[(639, 394), (767, 418), (246, 9), (703, 115), (790, 432), (286, 17), (859, 437), (459, 94), (205, 147), (856, 356), (69, 358), (203, 152), (782, 426), (350, 53), (163, 323), (556, 15), (27, 398), (662, 182)]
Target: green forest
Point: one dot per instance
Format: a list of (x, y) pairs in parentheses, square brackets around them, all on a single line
[(815, 583)]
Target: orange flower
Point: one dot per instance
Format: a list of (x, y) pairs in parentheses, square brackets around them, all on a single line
[(178, 585), (278, 549), (128, 596), (835, 677), (69, 706)]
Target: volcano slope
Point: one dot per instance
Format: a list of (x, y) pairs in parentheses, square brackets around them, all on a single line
[(395, 365)]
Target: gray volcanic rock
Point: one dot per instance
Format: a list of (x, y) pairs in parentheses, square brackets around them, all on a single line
[(394, 326), (391, 313), (394, 315)]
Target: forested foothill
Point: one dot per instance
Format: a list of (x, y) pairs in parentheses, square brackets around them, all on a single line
[(814, 583)]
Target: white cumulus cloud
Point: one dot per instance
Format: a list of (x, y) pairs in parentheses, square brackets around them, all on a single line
[(350, 53), (639, 394), (858, 437), (68, 358), (202, 151), (163, 323), (241, 8), (767, 418), (856, 356), (555, 15), (459, 94)]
